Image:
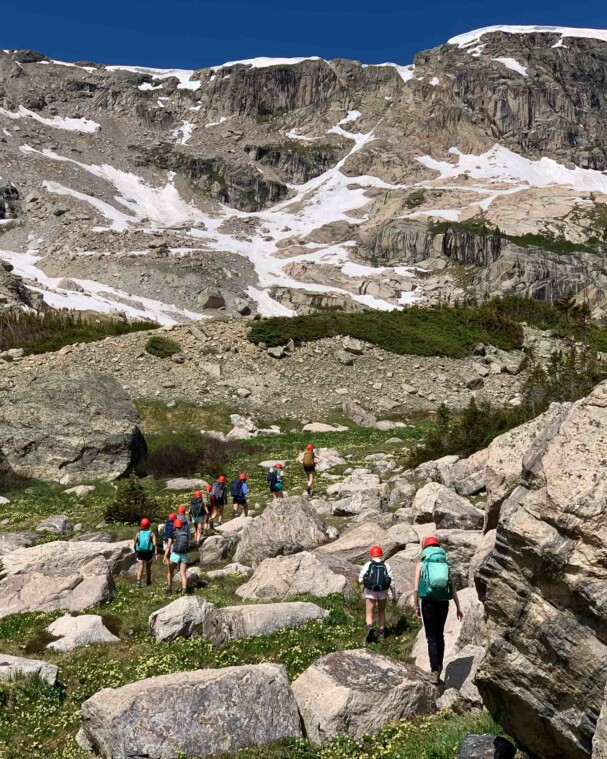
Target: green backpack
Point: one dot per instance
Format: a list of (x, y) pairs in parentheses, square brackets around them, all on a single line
[(435, 578)]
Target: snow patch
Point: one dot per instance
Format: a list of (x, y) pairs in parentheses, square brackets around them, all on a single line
[(57, 122), (513, 65), (148, 87), (183, 133), (184, 75), (222, 120), (435, 81), (406, 73), (263, 63), (470, 38)]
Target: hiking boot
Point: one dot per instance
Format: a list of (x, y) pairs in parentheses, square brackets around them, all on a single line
[(309, 490), (138, 583), (435, 678), (382, 633), (168, 591), (370, 635), (148, 583)]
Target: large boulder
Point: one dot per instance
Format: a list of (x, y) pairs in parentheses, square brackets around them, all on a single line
[(58, 524), (402, 492), (287, 526), (448, 510), (599, 743), (486, 747), (403, 571), (358, 503), (229, 708), (438, 470), (58, 575), (236, 622), (326, 459), (481, 556), (73, 427), (75, 631), (469, 476), (182, 618), (234, 527), (11, 541), (359, 691), (358, 415), (360, 481), (15, 666), (545, 671), (354, 544), (300, 574)]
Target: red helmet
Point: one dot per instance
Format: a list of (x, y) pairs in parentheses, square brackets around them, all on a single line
[(145, 523), (178, 523), (309, 447), (278, 465), (197, 494), (172, 516), (181, 509), (243, 476), (221, 478), (208, 488), (376, 552), (432, 540)]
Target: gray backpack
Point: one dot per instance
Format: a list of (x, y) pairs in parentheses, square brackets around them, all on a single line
[(181, 541)]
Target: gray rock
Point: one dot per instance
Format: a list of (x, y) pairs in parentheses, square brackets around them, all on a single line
[(4, 501), (354, 346), (332, 532), (86, 428), (300, 574), (469, 476), (237, 622), (58, 524), (277, 352), (461, 546), (326, 459), (359, 481), (287, 526), (82, 630), (214, 549), (354, 544), (486, 747), (402, 534), (211, 298), (10, 541), (344, 358), (185, 483), (402, 492), (13, 666), (358, 414), (94, 537), (182, 618), (599, 742), (234, 526), (357, 503), (251, 706), (81, 490), (231, 569), (439, 504), (356, 692)]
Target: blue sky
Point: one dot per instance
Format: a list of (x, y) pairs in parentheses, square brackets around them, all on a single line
[(197, 33)]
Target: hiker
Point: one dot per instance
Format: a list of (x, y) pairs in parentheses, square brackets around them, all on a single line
[(309, 465), (434, 587), (274, 478), (219, 494), (239, 495), (168, 530), (146, 550), (376, 578), (206, 504), (198, 515), (181, 514), (176, 556)]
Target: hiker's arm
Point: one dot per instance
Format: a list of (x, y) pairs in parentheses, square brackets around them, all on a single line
[(460, 613), (363, 572), (155, 545), (418, 568), (392, 584), (167, 553)]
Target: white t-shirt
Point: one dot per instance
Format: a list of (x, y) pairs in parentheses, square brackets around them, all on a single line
[(365, 569)]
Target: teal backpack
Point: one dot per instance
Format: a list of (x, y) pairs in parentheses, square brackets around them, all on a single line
[(144, 541), (435, 579)]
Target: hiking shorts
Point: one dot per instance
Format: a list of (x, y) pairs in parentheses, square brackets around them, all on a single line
[(198, 520), (145, 555), (310, 469), (375, 595), (240, 501), (178, 558)]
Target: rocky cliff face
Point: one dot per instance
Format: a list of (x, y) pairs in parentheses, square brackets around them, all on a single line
[(545, 670), (255, 159)]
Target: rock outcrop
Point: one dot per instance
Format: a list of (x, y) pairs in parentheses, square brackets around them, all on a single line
[(83, 426), (83, 630), (250, 706), (544, 674), (15, 666)]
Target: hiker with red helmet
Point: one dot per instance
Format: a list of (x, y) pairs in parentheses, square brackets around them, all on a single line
[(209, 502), (146, 551), (198, 515), (376, 578), (181, 514), (274, 478), (433, 585), (239, 491), (176, 556), (309, 465), (219, 493), (168, 529)]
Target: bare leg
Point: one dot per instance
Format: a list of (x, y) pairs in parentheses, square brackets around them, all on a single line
[(139, 570), (170, 571), (381, 611), (245, 508), (369, 606), (183, 568), (148, 572)]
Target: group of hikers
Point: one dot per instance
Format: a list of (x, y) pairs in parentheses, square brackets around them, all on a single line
[(433, 586)]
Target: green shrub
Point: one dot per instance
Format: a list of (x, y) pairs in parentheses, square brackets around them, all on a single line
[(191, 454), (441, 331), (132, 503), (415, 199), (162, 347), (52, 330)]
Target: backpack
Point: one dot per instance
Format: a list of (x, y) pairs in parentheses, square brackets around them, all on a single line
[(181, 541), (435, 577), (377, 577), (272, 477), (309, 459), (144, 541), (218, 491), (196, 507), (236, 489), (169, 529)]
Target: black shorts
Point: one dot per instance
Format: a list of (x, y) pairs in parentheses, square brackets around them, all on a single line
[(310, 469), (240, 502), (145, 555)]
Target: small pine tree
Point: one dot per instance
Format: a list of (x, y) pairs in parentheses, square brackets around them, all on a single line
[(132, 503)]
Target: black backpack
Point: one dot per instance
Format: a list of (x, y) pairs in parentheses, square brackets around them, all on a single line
[(376, 577), (236, 489), (196, 507), (272, 477), (181, 541)]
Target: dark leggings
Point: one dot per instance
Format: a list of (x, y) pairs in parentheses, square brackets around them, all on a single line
[(434, 615)]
